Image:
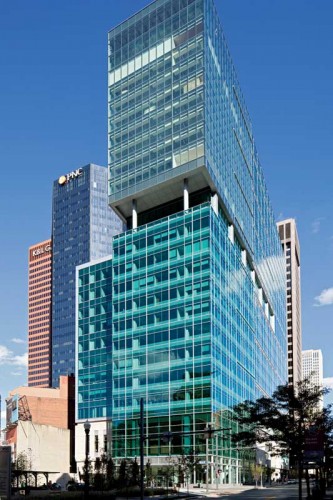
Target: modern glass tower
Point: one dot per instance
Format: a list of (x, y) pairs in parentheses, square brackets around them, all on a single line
[(198, 279), (82, 230), (94, 340)]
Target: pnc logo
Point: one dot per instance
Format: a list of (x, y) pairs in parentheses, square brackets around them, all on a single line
[(63, 179)]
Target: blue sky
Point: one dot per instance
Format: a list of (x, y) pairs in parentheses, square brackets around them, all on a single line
[(53, 119)]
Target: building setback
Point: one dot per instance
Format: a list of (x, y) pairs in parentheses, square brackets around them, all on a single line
[(82, 230), (39, 313), (290, 244), (198, 295)]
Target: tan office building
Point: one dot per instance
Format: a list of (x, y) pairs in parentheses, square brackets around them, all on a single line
[(289, 238), (39, 310)]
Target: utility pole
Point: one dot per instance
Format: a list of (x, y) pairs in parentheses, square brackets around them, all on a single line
[(142, 440)]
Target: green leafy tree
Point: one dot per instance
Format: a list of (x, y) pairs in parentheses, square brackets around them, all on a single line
[(186, 464), (256, 472), (284, 419)]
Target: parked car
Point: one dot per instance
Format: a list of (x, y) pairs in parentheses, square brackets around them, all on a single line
[(55, 486), (74, 486)]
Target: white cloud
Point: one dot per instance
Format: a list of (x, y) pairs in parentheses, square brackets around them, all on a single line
[(7, 357), (328, 382), (17, 340), (315, 226), (21, 360), (325, 298)]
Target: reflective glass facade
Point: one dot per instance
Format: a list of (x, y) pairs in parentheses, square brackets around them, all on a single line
[(198, 296), (82, 230), (192, 335), (156, 98), (94, 338)]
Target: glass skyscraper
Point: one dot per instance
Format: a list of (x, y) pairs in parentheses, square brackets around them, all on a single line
[(82, 230), (198, 294), (94, 340)]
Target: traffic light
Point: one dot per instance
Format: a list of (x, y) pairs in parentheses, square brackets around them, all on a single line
[(209, 431), (167, 437)]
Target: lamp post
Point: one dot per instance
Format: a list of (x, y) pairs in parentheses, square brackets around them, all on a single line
[(208, 432), (86, 426)]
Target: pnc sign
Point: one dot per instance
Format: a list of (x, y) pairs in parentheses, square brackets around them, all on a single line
[(41, 250), (63, 179)]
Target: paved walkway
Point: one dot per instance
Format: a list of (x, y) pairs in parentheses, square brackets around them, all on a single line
[(223, 489)]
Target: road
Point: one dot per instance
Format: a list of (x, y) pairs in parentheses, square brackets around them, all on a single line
[(283, 492)]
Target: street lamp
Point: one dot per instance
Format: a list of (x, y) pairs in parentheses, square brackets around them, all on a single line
[(208, 432), (86, 426)]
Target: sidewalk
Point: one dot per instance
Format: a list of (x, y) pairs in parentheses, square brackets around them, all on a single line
[(226, 489)]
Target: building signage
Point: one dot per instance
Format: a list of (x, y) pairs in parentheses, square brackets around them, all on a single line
[(63, 179), (313, 444), (41, 250)]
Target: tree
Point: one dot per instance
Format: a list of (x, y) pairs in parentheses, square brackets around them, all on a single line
[(21, 465), (134, 472), (149, 474), (110, 471), (284, 419), (22, 462), (186, 464), (123, 473), (256, 472), (99, 477)]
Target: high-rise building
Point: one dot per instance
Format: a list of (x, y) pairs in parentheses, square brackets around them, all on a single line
[(94, 364), (312, 368), (199, 281), (82, 230), (290, 244), (39, 312)]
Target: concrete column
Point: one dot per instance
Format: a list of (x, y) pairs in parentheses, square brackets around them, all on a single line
[(267, 310), (231, 233), (186, 195), (272, 322), (244, 257), (215, 203), (253, 276), (134, 215), (260, 295)]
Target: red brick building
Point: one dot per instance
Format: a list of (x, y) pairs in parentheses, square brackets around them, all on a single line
[(42, 421)]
